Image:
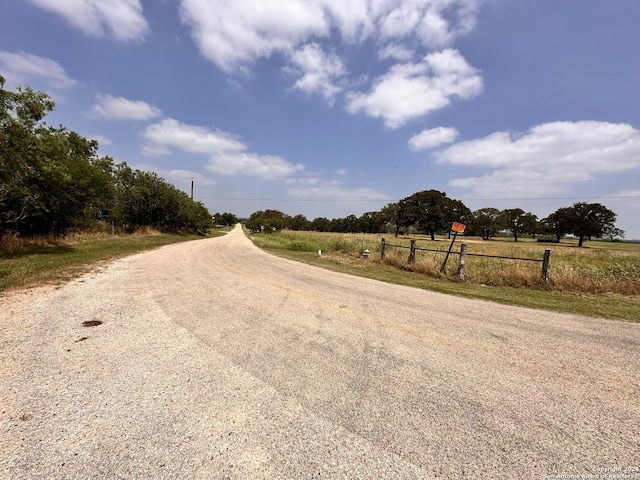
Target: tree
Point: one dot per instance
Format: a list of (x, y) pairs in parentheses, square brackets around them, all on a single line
[(518, 221), (350, 224), (299, 223), (391, 217), (145, 199), (558, 223), (321, 224), (21, 113), (612, 233), (267, 221), (431, 211), (52, 180), (530, 224), (590, 220), (226, 219), (584, 220), (371, 222), (485, 222)]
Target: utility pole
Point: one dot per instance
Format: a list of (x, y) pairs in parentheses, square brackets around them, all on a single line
[(192, 189)]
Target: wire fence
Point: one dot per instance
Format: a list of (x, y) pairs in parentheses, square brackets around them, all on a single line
[(545, 261)]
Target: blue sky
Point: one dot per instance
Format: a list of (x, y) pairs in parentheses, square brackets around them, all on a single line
[(338, 107)]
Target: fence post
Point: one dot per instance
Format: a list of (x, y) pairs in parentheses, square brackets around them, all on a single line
[(412, 253), (546, 259), (463, 261), (382, 248)]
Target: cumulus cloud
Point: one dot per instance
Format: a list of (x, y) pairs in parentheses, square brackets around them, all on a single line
[(318, 71), (549, 158), (21, 67), (119, 108), (432, 138), (313, 187), (227, 154), (121, 19), (396, 51), (235, 34), (180, 178), (413, 90)]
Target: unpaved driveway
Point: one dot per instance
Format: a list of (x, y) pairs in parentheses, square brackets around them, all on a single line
[(216, 360)]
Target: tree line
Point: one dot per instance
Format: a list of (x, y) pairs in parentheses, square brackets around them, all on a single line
[(431, 212), (225, 219), (52, 180)]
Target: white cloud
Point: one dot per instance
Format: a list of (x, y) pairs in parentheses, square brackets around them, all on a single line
[(121, 19), (318, 72), (432, 138), (332, 190), (549, 158), (235, 34), (396, 51), (119, 108), (435, 24), (413, 90), (21, 67), (227, 154), (180, 178)]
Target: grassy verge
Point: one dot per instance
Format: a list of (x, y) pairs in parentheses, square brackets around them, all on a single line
[(62, 261), (342, 254)]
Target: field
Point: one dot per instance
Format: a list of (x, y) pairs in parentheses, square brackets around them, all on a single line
[(601, 278)]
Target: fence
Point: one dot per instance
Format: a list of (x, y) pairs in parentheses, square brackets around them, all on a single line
[(545, 260)]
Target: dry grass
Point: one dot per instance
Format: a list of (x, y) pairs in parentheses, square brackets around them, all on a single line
[(599, 267), (12, 243), (28, 262)]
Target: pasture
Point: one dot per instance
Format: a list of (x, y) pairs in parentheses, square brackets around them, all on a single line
[(600, 278)]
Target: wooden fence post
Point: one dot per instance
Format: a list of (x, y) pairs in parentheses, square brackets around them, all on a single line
[(463, 261), (546, 259), (382, 248), (412, 253)]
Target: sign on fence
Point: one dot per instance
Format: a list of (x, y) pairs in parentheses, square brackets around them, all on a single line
[(458, 227)]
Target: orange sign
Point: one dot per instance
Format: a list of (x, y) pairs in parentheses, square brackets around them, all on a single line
[(458, 227)]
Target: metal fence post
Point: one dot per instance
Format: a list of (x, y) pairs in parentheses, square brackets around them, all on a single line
[(382, 248), (462, 262), (546, 259), (412, 253)]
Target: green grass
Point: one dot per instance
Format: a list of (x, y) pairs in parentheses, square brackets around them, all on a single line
[(57, 263), (597, 280)]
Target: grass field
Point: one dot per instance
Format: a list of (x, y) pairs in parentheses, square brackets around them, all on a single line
[(27, 263), (600, 279)]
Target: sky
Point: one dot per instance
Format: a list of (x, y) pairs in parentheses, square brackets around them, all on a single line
[(328, 108)]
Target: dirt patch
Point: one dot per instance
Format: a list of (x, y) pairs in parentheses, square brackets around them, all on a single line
[(92, 323)]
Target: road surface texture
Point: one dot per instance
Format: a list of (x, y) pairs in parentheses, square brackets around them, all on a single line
[(216, 360)]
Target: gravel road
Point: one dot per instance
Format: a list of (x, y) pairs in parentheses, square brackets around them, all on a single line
[(216, 360)]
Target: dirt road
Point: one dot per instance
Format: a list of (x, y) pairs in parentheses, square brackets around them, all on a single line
[(216, 360)]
